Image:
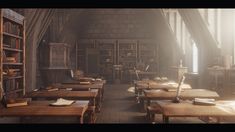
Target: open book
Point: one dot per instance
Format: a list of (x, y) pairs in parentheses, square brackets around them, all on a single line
[(204, 101), (62, 102)]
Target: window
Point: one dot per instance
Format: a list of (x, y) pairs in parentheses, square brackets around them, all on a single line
[(195, 57)]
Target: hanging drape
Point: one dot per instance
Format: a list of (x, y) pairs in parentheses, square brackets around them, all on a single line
[(37, 22), (207, 45), (169, 49), (199, 30)]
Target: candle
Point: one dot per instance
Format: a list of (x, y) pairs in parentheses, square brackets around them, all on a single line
[(181, 63)]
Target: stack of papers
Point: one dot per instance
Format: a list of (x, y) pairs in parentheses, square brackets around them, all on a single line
[(62, 102), (203, 101)]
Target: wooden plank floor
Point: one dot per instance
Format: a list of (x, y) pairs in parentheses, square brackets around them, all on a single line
[(120, 106)]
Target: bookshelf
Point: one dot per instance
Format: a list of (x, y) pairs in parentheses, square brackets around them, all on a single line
[(147, 54), (117, 52), (127, 54), (81, 48), (12, 64), (107, 53), (127, 57)]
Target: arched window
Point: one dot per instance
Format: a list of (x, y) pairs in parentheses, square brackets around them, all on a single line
[(195, 57)]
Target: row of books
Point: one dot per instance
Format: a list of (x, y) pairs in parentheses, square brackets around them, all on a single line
[(11, 57), (11, 72), (11, 84), (10, 42), (12, 28)]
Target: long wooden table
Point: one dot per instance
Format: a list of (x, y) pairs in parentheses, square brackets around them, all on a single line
[(76, 86), (75, 95), (185, 94), (188, 109), (43, 109), (140, 86)]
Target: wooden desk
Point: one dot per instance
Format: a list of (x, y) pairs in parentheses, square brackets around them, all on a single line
[(76, 86), (186, 94), (150, 84), (75, 95), (188, 109), (42, 108)]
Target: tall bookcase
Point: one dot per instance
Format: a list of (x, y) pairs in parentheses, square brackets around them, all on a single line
[(12, 48), (147, 54), (107, 54), (127, 53), (127, 57)]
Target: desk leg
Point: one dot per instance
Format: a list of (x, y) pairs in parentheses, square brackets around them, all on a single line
[(148, 102), (136, 92), (102, 93), (218, 120), (92, 119), (99, 98), (165, 119), (81, 119)]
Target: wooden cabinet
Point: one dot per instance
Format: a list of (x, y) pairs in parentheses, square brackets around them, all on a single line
[(56, 63), (12, 64), (56, 56)]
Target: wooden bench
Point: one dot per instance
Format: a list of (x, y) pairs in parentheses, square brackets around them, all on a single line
[(43, 109)]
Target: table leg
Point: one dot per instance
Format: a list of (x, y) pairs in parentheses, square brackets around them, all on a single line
[(103, 93), (148, 102), (218, 120), (81, 119), (165, 119), (99, 98)]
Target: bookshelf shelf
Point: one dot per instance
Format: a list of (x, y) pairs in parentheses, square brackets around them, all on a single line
[(12, 63), (8, 78), (12, 35), (12, 49), (6, 63), (14, 91)]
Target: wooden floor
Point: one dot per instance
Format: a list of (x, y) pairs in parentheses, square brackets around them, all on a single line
[(119, 106)]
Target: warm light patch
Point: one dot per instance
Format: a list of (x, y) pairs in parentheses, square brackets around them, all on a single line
[(131, 89)]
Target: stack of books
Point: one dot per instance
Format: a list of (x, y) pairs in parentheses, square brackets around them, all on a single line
[(16, 102), (204, 101)]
